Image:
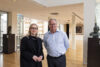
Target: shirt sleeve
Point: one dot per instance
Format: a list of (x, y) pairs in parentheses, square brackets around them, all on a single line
[(66, 41)]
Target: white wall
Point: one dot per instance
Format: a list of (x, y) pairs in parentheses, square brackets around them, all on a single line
[(98, 14), (45, 27), (62, 27), (89, 19), (12, 21)]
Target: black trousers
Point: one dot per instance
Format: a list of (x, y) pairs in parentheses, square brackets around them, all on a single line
[(56, 61)]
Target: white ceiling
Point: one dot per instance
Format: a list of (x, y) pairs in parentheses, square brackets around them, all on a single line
[(98, 1), (34, 10), (52, 3)]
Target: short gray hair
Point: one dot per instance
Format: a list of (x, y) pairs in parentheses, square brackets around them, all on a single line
[(51, 20)]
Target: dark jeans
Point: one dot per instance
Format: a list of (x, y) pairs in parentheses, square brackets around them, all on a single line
[(56, 61)]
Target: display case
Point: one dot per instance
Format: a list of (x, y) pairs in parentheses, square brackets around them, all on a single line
[(93, 59), (8, 43)]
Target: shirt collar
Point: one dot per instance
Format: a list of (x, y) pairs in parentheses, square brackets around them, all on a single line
[(55, 32)]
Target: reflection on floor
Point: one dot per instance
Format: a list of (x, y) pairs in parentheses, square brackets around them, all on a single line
[(74, 57)]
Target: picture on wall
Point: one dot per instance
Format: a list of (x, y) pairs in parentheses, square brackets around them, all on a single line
[(78, 29)]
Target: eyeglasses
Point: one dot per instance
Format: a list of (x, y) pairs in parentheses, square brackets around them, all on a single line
[(53, 24), (34, 28)]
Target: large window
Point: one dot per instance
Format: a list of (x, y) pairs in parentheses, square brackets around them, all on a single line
[(3, 27), (23, 24)]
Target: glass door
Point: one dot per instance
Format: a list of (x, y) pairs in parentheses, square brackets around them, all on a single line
[(3, 27)]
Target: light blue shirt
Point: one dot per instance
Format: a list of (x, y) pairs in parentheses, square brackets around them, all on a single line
[(56, 43)]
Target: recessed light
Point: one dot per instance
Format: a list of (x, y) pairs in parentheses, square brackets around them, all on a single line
[(55, 13)]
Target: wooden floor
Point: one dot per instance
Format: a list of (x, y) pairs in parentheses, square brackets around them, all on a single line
[(74, 57)]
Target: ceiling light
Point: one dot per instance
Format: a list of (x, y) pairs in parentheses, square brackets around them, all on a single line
[(55, 13)]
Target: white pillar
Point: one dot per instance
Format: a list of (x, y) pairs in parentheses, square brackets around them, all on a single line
[(0, 31), (89, 19), (12, 21), (73, 32)]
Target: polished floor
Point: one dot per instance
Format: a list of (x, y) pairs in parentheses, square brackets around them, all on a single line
[(74, 57)]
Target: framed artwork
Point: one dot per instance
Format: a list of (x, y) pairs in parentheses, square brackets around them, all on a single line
[(78, 29)]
